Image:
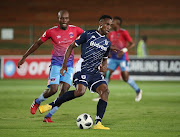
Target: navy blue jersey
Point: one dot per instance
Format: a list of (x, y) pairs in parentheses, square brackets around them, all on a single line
[(94, 47)]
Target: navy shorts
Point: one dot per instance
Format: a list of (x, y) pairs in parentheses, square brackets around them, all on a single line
[(92, 81)]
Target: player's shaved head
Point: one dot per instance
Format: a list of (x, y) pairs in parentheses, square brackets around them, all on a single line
[(119, 20), (63, 17), (61, 12)]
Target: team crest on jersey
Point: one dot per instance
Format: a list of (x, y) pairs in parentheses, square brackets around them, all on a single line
[(58, 37), (83, 76), (71, 34)]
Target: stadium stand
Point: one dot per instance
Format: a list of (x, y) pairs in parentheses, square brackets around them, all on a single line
[(160, 20)]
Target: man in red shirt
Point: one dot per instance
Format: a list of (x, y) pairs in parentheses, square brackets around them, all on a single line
[(61, 36), (121, 39)]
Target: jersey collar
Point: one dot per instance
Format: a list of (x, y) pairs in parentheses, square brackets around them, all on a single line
[(100, 34), (62, 29)]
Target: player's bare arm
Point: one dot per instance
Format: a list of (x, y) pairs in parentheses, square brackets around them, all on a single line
[(103, 67), (130, 45), (66, 56), (33, 48), (114, 48)]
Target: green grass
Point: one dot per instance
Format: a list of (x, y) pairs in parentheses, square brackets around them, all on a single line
[(157, 115)]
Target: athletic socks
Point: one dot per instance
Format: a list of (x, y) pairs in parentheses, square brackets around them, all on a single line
[(52, 111), (65, 97), (101, 108), (55, 105), (40, 99), (132, 83)]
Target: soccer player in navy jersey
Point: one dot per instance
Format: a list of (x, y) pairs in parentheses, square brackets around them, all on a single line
[(121, 40), (61, 36), (95, 47)]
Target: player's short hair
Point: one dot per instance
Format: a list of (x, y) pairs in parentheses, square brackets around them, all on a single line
[(62, 11), (104, 17), (118, 18)]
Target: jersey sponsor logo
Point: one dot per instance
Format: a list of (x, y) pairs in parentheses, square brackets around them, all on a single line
[(65, 41), (71, 34), (92, 43)]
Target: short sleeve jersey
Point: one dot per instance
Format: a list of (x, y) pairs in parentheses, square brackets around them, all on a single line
[(119, 39), (94, 47), (61, 39)]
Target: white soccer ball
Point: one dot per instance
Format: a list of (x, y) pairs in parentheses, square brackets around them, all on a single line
[(84, 121)]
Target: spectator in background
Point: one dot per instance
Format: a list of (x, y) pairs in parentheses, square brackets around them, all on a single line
[(141, 47)]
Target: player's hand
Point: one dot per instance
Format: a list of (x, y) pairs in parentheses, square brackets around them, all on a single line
[(20, 62), (119, 55), (115, 49), (63, 70), (103, 68)]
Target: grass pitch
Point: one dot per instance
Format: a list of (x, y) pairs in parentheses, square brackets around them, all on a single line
[(157, 115)]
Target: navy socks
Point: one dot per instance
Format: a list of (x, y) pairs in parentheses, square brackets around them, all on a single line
[(64, 98), (101, 108)]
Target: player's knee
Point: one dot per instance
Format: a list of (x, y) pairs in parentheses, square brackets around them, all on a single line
[(104, 90), (79, 92), (64, 89), (53, 90), (125, 76), (125, 79)]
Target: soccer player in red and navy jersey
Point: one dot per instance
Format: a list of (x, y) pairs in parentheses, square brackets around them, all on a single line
[(61, 36), (121, 40)]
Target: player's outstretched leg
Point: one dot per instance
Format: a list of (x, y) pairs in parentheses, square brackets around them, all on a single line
[(37, 102), (34, 107), (138, 96), (101, 106), (107, 78), (132, 83), (60, 100), (47, 118), (67, 96), (47, 93)]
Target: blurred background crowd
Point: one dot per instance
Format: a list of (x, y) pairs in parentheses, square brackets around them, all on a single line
[(23, 21)]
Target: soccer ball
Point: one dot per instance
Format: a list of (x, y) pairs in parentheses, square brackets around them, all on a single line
[(84, 121)]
